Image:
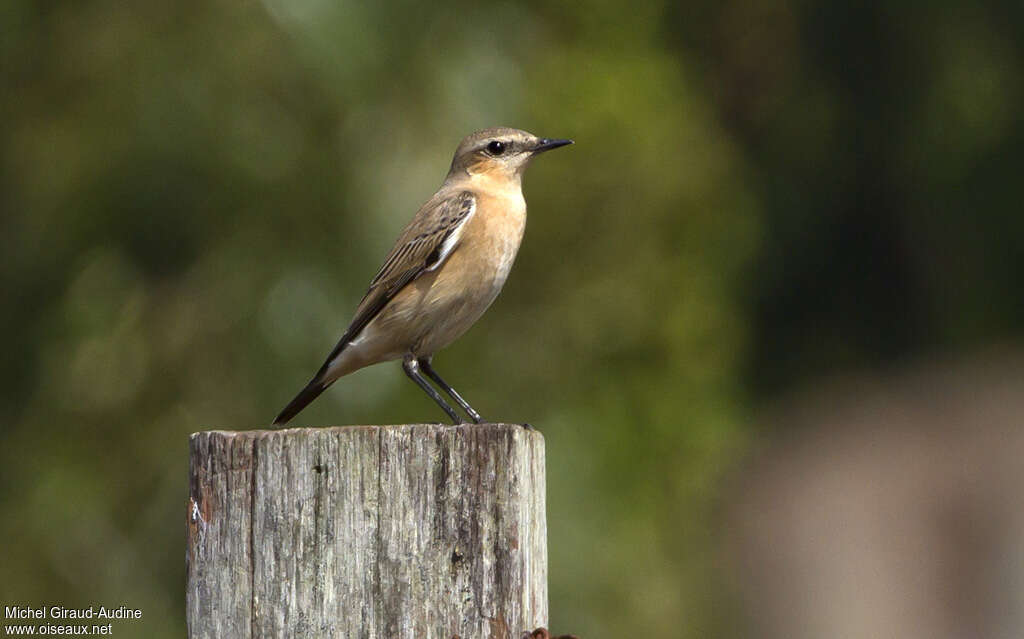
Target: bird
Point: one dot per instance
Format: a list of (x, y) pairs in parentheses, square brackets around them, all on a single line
[(446, 268)]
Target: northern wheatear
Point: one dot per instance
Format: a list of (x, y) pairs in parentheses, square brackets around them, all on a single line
[(446, 268)]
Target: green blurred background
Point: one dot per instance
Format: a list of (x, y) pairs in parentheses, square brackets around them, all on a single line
[(193, 196)]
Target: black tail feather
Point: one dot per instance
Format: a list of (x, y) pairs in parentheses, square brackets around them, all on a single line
[(305, 396)]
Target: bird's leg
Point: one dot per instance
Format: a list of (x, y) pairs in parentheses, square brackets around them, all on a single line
[(412, 369), (425, 364)]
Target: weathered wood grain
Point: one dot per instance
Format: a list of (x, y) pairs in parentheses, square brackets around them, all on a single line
[(372, 532)]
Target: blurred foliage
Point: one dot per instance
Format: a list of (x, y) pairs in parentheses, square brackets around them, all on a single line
[(194, 195)]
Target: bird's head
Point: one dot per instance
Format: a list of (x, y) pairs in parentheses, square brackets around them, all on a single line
[(499, 152)]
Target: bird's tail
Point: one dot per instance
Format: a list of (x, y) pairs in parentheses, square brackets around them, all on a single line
[(305, 396)]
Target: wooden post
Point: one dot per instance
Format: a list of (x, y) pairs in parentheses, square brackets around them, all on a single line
[(367, 532)]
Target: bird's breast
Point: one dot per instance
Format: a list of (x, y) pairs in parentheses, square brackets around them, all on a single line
[(457, 294), (492, 239)]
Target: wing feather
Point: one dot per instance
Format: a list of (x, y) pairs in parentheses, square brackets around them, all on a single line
[(423, 246)]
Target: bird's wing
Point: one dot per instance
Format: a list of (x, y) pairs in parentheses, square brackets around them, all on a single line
[(423, 246)]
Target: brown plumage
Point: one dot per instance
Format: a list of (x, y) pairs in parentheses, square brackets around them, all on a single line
[(446, 268)]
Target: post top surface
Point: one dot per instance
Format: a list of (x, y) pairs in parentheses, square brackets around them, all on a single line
[(262, 433)]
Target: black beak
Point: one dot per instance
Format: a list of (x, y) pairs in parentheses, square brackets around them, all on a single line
[(546, 144)]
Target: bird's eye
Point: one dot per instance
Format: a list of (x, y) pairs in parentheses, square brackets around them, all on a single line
[(496, 147)]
